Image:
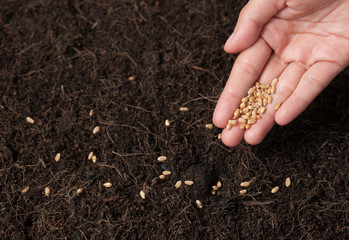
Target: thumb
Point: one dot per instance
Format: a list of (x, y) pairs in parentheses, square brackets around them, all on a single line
[(251, 20)]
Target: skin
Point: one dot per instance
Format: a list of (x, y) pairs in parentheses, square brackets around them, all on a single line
[(305, 43)]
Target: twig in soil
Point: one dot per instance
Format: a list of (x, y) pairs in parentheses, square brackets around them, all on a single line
[(204, 70)]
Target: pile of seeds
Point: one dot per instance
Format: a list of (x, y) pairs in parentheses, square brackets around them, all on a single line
[(253, 105)]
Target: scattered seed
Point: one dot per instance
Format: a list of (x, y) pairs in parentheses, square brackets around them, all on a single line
[(94, 158), (245, 184), (30, 120), (90, 156), (162, 158), (167, 123), (213, 192), (242, 192), (91, 112), (166, 173), (189, 182), (198, 203), (219, 184), (132, 78), (216, 188), (107, 184), (288, 182), (275, 189), (25, 190), (79, 191), (96, 130), (183, 109), (47, 191), (162, 176), (142, 194), (277, 106), (178, 184), (209, 126), (58, 157)]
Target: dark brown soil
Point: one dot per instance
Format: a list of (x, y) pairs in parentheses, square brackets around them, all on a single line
[(60, 59)]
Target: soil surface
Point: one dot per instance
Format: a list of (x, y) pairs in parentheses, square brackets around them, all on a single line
[(60, 59)]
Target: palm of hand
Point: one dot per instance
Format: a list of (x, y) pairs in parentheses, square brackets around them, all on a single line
[(306, 44)]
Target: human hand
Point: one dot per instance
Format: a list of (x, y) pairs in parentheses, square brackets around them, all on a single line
[(305, 43)]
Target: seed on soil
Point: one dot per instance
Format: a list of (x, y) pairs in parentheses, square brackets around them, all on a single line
[(198, 203), (215, 188), (96, 130), (30, 120), (209, 126), (219, 184), (142, 194), (47, 191), (178, 184), (213, 192), (188, 182), (58, 157), (94, 159), (90, 156), (107, 184), (275, 189), (288, 182), (91, 112), (162, 158), (245, 184), (132, 78), (166, 173), (25, 190), (183, 109), (167, 123), (79, 191), (162, 176), (242, 192), (277, 106)]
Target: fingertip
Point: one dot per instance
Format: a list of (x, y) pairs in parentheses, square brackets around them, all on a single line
[(282, 117), (232, 137)]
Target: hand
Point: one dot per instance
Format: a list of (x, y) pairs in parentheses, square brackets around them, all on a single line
[(305, 43)]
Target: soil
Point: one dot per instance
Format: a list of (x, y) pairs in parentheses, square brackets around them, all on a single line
[(60, 59)]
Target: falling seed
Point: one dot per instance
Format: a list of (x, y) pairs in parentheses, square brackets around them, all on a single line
[(107, 184), (162, 158), (94, 158), (79, 191), (91, 112), (96, 130), (277, 106), (288, 182), (275, 189), (243, 192), (58, 157), (183, 109), (178, 184), (142, 194), (47, 191), (188, 182), (245, 184), (167, 123), (166, 173), (198, 203), (90, 156), (162, 176), (219, 136), (209, 126), (215, 188), (25, 190), (132, 78), (30, 120), (219, 184)]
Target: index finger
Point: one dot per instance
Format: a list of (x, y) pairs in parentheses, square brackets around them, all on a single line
[(246, 70)]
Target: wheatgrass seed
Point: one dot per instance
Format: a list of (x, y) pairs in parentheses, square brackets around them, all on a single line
[(188, 182), (58, 157), (107, 184), (199, 204), (142, 194), (275, 189), (178, 184), (162, 158), (25, 190), (30, 120), (288, 182), (96, 130)]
